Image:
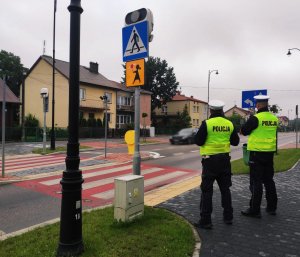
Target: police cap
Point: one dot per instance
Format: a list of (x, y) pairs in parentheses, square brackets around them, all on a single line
[(216, 105), (261, 98)]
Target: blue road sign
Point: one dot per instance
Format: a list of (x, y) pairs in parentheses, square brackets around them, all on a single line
[(248, 100), (135, 41)]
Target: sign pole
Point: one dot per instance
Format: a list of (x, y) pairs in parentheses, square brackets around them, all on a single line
[(136, 156), (297, 126), (3, 127)]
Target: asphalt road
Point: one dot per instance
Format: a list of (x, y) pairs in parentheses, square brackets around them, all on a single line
[(21, 208)]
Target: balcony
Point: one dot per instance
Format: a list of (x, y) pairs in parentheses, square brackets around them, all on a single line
[(161, 113), (126, 108), (93, 104)]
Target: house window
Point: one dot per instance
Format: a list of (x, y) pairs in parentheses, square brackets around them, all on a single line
[(82, 94), (91, 115), (124, 100), (194, 109), (80, 115), (108, 117), (164, 108), (123, 119)]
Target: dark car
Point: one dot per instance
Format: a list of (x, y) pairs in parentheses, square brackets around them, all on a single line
[(184, 136)]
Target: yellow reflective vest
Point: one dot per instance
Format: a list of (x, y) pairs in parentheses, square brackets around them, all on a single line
[(263, 138), (219, 131)]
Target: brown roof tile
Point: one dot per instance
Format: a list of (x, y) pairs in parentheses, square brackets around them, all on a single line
[(10, 97)]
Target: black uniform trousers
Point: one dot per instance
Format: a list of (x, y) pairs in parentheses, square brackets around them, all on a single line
[(216, 167), (262, 173)]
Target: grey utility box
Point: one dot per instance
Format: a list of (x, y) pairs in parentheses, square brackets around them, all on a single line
[(129, 197)]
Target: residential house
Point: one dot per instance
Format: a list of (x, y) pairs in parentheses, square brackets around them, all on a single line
[(12, 104), (93, 85), (197, 109), (237, 111)]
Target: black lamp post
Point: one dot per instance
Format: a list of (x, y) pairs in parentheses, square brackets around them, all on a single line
[(23, 107), (52, 144), (209, 72), (71, 243)]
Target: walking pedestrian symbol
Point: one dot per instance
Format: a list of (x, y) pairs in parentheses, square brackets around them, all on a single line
[(135, 73), (135, 41)]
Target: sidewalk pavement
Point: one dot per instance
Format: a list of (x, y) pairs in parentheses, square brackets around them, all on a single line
[(273, 236)]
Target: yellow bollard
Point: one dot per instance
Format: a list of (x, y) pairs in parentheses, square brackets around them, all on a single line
[(129, 139)]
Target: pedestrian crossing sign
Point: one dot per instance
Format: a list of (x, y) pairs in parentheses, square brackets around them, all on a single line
[(135, 73), (135, 41)]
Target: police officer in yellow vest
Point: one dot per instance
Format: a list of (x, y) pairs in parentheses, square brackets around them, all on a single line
[(214, 137), (262, 131)]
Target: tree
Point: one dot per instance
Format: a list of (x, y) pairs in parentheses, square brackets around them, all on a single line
[(183, 119), (160, 80), (274, 108), (11, 66), (237, 120)]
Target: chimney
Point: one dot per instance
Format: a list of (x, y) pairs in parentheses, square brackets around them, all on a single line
[(192, 96), (94, 67)]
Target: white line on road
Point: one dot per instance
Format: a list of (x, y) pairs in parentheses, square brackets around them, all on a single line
[(111, 179), (148, 182), (88, 175)]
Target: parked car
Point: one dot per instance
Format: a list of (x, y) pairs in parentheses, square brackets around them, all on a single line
[(184, 136)]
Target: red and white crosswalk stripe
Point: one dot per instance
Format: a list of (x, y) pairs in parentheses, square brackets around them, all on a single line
[(98, 186), (23, 163)]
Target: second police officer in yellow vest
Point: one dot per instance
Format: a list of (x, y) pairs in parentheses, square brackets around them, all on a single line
[(262, 131), (214, 137)]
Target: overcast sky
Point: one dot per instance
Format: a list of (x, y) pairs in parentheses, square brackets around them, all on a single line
[(245, 40)]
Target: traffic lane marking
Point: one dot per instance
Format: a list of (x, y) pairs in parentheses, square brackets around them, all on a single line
[(147, 182), (88, 200)]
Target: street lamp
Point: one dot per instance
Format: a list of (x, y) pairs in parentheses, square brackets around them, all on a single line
[(52, 145), (44, 95), (291, 49), (23, 107), (104, 99), (70, 240), (209, 72)]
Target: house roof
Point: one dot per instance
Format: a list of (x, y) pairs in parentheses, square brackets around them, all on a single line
[(179, 97), (10, 97), (86, 76), (246, 112)]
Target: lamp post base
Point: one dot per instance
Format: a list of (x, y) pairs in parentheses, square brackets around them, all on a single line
[(65, 250)]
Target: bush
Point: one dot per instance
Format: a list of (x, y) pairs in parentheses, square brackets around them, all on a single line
[(31, 121)]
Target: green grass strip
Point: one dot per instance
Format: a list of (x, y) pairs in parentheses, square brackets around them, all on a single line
[(283, 161), (158, 233)]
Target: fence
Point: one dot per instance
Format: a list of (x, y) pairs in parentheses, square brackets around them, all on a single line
[(36, 134)]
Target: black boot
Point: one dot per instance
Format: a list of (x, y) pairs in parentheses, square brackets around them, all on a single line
[(203, 223), (251, 213)]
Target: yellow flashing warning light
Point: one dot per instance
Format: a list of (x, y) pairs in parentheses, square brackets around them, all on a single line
[(129, 139)]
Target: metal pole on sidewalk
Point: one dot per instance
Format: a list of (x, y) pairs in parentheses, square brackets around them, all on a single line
[(53, 83), (136, 156), (44, 130), (296, 126), (70, 241), (3, 127), (105, 131)]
